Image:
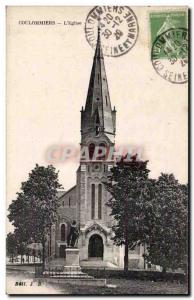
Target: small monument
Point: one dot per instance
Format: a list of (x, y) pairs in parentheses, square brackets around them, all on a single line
[(73, 235), (72, 252)]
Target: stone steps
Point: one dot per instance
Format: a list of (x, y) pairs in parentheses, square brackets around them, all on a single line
[(97, 264), (60, 262), (67, 274)]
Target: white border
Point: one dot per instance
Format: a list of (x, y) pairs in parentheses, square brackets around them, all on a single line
[(3, 4)]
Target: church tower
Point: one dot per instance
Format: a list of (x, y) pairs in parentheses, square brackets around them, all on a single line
[(98, 127), (86, 201)]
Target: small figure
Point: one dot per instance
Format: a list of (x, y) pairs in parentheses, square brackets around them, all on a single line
[(73, 235)]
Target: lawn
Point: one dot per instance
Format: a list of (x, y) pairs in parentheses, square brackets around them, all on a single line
[(126, 287)]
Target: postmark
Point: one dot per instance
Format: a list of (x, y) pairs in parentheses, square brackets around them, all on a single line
[(118, 26), (170, 55), (169, 45)]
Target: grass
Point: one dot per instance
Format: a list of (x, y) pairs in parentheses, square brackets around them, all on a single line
[(127, 287)]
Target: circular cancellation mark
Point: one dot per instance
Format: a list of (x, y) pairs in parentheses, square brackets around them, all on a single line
[(170, 55), (118, 29)]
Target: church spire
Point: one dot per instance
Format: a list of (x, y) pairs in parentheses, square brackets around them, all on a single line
[(98, 117)]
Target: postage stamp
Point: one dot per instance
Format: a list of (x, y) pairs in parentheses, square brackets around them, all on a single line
[(119, 29), (169, 41)]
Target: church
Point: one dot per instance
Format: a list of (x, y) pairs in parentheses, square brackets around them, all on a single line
[(85, 202)]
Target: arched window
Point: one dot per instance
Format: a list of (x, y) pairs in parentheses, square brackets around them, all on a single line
[(97, 120), (93, 201), (100, 201), (63, 235), (91, 150), (102, 151)]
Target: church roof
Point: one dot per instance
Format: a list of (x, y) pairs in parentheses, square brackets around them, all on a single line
[(98, 113), (63, 193)]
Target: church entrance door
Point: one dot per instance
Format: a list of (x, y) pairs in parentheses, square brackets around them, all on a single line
[(62, 253), (95, 248)]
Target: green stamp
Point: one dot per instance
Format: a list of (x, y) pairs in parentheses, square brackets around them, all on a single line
[(169, 38), (163, 21)]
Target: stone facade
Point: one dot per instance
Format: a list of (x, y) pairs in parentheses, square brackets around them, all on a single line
[(86, 202)]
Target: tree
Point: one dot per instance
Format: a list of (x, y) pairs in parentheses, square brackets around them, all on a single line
[(168, 232), (36, 205), (11, 245), (21, 244), (22, 250), (34, 255), (129, 187), (19, 216)]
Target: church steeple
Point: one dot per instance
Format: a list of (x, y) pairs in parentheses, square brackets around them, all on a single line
[(98, 116)]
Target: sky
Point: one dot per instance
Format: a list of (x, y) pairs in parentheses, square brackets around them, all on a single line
[(48, 71)]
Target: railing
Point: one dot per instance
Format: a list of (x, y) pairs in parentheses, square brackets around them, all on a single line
[(68, 272), (59, 272)]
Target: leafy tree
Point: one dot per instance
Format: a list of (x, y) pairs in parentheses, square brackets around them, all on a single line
[(28, 252), (168, 232), (11, 245), (34, 255), (151, 212), (21, 244), (130, 188), (39, 254), (22, 250), (35, 207), (19, 216)]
